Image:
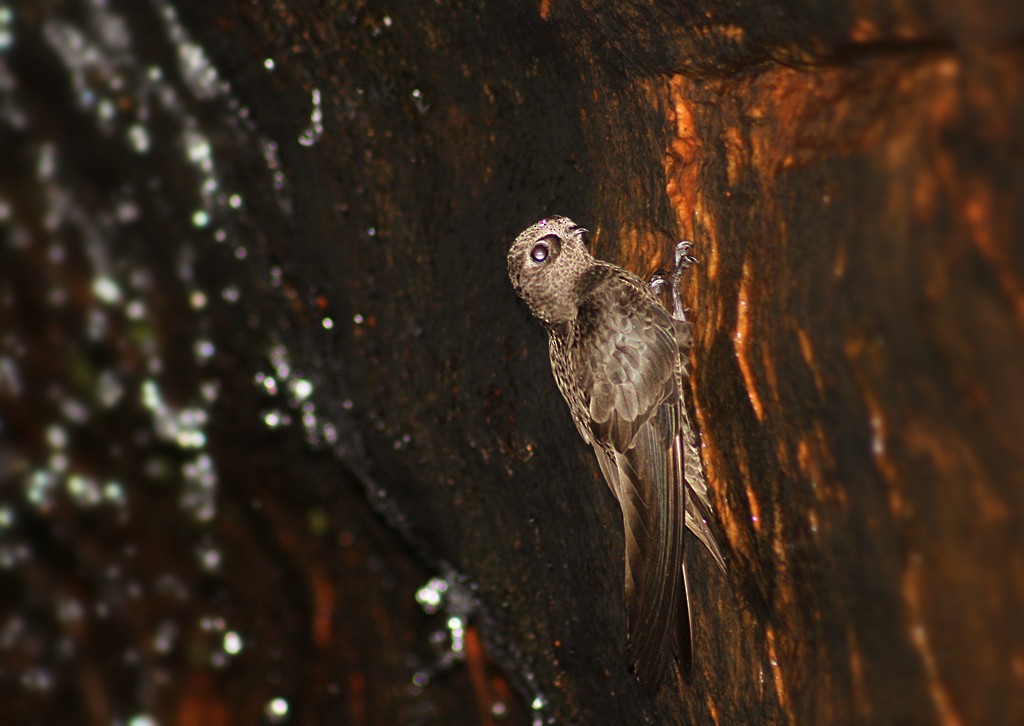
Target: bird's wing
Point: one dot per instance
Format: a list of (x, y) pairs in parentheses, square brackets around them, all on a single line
[(630, 383), (698, 504)]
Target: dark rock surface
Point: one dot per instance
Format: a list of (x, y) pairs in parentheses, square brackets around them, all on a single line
[(252, 277)]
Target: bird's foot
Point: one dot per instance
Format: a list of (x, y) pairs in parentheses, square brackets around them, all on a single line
[(657, 281), (683, 257), (683, 261)]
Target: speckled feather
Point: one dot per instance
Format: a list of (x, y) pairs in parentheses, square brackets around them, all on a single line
[(618, 359)]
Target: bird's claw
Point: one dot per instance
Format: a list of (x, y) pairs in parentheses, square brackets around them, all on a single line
[(683, 257), (683, 261), (657, 281)]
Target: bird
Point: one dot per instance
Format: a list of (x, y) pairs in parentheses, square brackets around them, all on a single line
[(619, 359)]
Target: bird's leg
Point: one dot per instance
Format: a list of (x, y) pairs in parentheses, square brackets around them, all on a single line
[(683, 261)]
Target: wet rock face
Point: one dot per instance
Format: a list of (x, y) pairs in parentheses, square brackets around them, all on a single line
[(179, 527), (262, 376)]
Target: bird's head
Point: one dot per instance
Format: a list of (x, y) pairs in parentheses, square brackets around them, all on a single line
[(545, 264)]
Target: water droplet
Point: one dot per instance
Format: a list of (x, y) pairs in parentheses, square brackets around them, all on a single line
[(135, 310), (315, 130), (209, 558), (204, 350), (430, 595), (6, 20), (274, 418), (106, 290), (419, 102), (166, 633), (212, 623), (113, 492), (198, 148), (128, 211), (301, 389), (84, 490), (276, 710), (57, 437), (70, 610), (37, 679), (232, 643), (74, 411), (138, 137), (105, 110)]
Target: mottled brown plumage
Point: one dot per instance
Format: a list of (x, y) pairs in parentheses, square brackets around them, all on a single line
[(618, 359)]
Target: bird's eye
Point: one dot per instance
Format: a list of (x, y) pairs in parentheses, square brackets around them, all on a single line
[(540, 251)]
